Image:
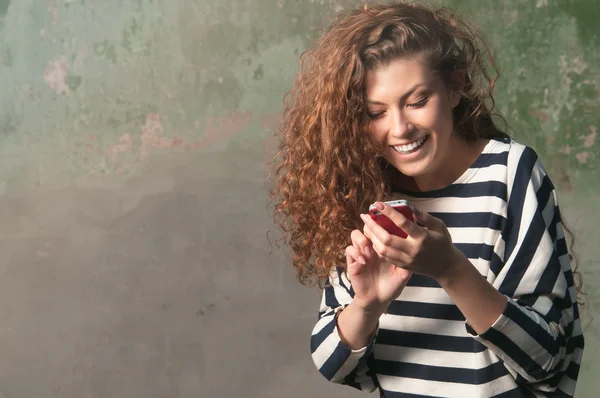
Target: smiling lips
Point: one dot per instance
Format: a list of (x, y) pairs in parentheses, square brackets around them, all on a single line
[(409, 148)]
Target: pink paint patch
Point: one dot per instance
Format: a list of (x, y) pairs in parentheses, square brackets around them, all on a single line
[(152, 135), (53, 10), (55, 76), (270, 122), (583, 157), (218, 129), (566, 150), (543, 116), (590, 139), (125, 145), (178, 142)]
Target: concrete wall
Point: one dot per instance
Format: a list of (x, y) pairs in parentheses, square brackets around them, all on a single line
[(132, 206)]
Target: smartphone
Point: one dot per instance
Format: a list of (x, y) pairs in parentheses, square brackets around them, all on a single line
[(401, 206)]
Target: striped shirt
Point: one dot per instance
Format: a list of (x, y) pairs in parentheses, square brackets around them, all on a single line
[(502, 213)]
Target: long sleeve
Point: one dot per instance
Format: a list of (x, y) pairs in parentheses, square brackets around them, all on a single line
[(539, 335), (335, 361)]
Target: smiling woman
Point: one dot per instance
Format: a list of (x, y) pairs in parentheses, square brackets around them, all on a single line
[(410, 108), (479, 299)]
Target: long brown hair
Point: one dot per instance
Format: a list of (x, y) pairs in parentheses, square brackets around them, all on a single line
[(329, 170)]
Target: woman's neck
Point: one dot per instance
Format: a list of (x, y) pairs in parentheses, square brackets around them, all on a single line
[(464, 153)]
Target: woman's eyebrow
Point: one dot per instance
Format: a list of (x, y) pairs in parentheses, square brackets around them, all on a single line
[(407, 94)]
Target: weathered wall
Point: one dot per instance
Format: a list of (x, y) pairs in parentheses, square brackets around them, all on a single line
[(132, 207)]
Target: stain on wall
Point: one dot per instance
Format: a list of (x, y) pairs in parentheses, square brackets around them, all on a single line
[(4, 7)]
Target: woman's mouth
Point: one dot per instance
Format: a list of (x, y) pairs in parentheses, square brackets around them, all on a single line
[(412, 147)]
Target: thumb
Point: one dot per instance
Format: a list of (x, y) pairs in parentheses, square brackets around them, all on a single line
[(428, 221)]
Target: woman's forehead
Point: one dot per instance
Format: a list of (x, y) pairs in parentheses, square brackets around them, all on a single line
[(402, 76)]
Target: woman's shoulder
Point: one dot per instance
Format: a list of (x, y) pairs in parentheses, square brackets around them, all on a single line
[(507, 144), (522, 156), (515, 154), (515, 147)]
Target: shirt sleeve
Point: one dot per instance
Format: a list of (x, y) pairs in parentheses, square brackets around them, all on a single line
[(335, 361), (539, 335)]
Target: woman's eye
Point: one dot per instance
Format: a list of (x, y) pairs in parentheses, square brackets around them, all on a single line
[(375, 115), (420, 103)]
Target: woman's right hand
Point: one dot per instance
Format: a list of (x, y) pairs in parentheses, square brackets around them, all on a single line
[(375, 283)]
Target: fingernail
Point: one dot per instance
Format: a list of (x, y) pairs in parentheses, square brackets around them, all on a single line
[(379, 206), (361, 260)]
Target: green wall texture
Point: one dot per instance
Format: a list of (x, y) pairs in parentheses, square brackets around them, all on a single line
[(93, 92), (104, 83)]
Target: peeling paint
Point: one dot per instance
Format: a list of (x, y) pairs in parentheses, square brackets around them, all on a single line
[(565, 150), (590, 139), (574, 65), (583, 157), (125, 145), (224, 127), (543, 116), (53, 10), (55, 76), (120, 157), (152, 135)]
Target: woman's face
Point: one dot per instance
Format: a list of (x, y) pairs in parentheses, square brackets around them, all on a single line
[(410, 108)]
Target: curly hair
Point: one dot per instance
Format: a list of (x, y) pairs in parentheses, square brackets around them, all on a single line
[(329, 169)]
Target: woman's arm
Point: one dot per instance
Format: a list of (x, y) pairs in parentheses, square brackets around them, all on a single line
[(535, 327), (475, 297), (337, 361)]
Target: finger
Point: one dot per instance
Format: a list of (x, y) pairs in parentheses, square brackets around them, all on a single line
[(377, 232), (368, 250), (363, 244), (354, 255), (359, 240), (351, 266), (428, 221), (395, 253), (367, 231), (411, 228)]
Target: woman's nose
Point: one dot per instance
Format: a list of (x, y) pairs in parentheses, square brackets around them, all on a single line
[(401, 126)]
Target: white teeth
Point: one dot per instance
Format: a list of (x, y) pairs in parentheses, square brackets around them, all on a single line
[(409, 147)]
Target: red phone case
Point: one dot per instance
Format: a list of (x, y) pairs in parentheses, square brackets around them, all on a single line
[(388, 224)]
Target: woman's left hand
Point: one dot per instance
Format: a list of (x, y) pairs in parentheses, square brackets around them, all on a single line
[(427, 250)]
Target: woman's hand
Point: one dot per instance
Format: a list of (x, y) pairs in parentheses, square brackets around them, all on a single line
[(427, 250), (376, 283)]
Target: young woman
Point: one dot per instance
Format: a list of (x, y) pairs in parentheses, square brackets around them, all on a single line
[(479, 300)]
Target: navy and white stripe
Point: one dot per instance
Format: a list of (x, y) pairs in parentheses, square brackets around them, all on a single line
[(503, 215)]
